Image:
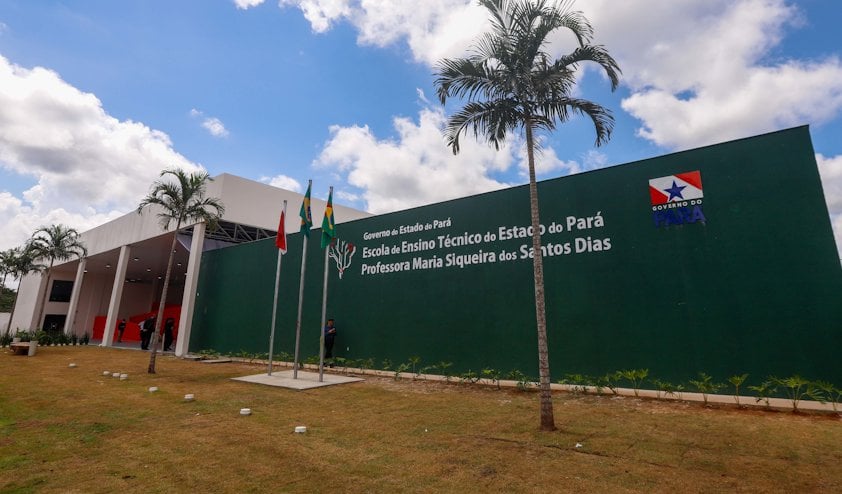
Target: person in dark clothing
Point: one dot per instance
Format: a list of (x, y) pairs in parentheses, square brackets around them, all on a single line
[(330, 336), (169, 324), (146, 333), (121, 328)]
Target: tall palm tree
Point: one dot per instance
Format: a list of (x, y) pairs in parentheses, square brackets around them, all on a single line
[(21, 263), (511, 84), (181, 200), (55, 243)]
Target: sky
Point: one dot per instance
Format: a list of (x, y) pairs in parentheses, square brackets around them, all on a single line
[(97, 96)]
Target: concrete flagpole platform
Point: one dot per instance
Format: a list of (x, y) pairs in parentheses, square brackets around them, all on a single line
[(306, 380)]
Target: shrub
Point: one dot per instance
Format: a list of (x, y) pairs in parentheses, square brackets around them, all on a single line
[(413, 362), (578, 382), (764, 390), (401, 368), (43, 338), (610, 381), (795, 387), (523, 381), (492, 375), (444, 368), (635, 377), (469, 377), (826, 392), (664, 388), (705, 385), (737, 381)]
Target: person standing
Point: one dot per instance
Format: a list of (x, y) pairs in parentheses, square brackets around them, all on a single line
[(330, 336), (121, 328), (146, 333), (169, 324)]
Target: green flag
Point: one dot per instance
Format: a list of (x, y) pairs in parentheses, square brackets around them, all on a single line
[(306, 215), (328, 228)]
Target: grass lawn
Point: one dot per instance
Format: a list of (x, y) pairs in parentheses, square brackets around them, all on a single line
[(68, 429)]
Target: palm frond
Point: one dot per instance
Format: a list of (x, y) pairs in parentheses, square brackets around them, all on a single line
[(180, 197), (575, 21), (489, 120), (463, 78), (57, 242), (592, 53), (510, 76), (561, 109)]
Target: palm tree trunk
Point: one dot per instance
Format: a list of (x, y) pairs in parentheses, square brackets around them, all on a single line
[(159, 318), (46, 296), (546, 398)]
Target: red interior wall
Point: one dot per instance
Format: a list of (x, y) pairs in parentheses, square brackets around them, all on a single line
[(132, 332)]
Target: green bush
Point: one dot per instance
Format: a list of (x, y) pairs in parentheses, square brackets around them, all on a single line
[(705, 385)]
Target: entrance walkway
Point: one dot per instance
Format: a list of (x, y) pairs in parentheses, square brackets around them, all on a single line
[(127, 345)]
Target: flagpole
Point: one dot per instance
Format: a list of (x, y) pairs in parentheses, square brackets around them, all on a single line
[(306, 222), (275, 300), (322, 331), (324, 305), (300, 304)]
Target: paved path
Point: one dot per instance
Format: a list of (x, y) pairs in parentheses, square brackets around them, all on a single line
[(306, 380)]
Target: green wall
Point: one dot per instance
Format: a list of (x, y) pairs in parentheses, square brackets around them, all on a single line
[(754, 288)]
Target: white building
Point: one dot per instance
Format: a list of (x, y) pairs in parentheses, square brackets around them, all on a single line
[(123, 272)]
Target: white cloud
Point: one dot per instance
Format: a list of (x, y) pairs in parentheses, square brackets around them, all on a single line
[(830, 170), (761, 99), (86, 164), (215, 127), (433, 28), (417, 168), (283, 182), (245, 4), (547, 161), (699, 70), (347, 196), (321, 13)]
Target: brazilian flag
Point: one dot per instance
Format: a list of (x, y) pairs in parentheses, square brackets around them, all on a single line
[(306, 215), (328, 227)]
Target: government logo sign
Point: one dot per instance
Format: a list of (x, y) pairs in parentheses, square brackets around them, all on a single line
[(677, 199)]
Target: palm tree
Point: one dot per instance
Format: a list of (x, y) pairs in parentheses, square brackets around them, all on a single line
[(56, 243), (7, 259), (512, 83), (181, 201), (21, 262)]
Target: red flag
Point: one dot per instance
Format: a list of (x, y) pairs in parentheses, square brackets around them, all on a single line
[(281, 239)]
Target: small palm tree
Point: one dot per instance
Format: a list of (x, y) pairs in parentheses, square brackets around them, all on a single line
[(182, 201), (512, 84), (7, 260), (55, 243), (21, 262)]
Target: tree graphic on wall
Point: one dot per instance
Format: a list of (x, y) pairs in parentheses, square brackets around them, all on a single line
[(342, 252)]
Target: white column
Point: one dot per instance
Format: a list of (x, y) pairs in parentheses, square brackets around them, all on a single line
[(188, 302), (74, 297), (116, 295)]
